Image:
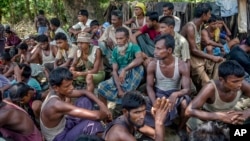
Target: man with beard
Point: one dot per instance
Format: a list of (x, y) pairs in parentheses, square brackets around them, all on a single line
[(127, 69), (146, 35), (202, 64), (168, 76), (134, 109), (108, 41)]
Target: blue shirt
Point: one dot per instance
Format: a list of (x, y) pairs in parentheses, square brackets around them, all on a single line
[(32, 83)]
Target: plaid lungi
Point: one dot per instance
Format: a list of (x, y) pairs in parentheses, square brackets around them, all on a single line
[(109, 90)]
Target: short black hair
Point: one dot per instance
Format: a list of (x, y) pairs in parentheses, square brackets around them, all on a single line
[(41, 12), (94, 23), (202, 8), (212, 19), (169, 5), (26, 70), (168, 20), (117, 13), (83, 12), (42, 38), (209, 131), (59, 74), (5, 56), (23, 46), (60, 36), (19, 90), (133, 100), (231, 67), (124, 30), (153, 16), (169, 40), (55, 22)]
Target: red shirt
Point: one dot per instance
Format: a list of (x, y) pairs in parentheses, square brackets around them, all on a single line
[(151, 32)]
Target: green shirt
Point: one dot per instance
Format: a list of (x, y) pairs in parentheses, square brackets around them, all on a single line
[(127, 58)]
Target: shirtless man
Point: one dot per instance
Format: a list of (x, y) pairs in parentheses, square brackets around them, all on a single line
[(7, 66), (134, 110), (168, 76), (23, 55), (201, 70), (219, 97), (16, 124), (60, 120)]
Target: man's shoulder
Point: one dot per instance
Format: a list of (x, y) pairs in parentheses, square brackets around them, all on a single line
[(177, 18), (126, 27), (88, 22), (179, 36)]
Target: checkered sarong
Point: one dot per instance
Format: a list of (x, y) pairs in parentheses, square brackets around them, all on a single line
[(133, 78)]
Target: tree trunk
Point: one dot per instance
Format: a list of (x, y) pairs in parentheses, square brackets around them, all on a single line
[(1, 15), (28, 9), (55, 8), (35, 7), (73, 6), (12, 14)]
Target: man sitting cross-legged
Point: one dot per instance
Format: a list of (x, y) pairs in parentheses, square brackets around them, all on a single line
[(170, 77), (87, 66), (134, 109), (127, 69), (217, 99), (60, 120)]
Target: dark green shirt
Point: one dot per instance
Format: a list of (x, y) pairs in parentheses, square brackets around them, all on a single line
[(127, 58)]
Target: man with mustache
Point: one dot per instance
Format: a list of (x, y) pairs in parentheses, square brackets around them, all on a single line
[(127, 69), (134, 109), (168, 76)]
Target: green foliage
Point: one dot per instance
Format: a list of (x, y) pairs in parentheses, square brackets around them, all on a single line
[(13, 11)]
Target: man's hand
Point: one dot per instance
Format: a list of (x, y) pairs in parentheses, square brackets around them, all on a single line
[(160, 109), (122, 76), (239, 118), (72, 69), (231, 117), (75, 74), (120, 93), (217, 59), (107, 111), (172, 100), (110, 43)]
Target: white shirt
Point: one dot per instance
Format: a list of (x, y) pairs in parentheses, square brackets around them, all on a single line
[(177, 23), (81, 26)]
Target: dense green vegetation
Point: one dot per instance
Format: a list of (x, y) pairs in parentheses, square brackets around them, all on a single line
[(13, 11)]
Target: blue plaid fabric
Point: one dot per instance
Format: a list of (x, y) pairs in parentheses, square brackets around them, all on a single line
[(109, 90)]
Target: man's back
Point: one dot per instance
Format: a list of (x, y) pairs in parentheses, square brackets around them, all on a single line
[(41, 21), (17, 124)]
